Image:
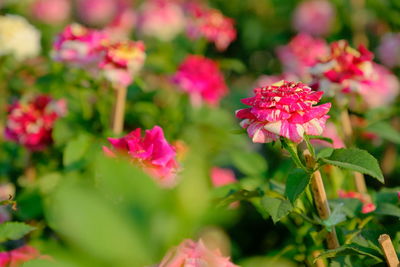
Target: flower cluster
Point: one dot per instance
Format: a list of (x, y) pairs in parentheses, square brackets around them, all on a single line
[(196, 254), (283, 109), (18, 37), (151, 152), (344, 68), (201, 78), (79, 45), (122, 61), (161, 19), (367, 205), (314, 17), (17, 257), (30, 123), (212, 25), (302, 52)]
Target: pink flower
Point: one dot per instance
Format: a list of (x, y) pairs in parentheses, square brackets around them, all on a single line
[(162, 19), (344, 69), (151, 152), (389, 50), (122, 61), (194, 254), (96, 12), (381, 88), (283, 109), (201, 78), (301, 53), (367, 205), (314, 17), (51, 11), (17, 257), (221, 176), (30, 123), (212, 25), (122, 25), (330, 132), (79, 45)]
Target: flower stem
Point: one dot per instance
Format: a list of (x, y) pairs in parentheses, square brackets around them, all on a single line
[(119, 110)]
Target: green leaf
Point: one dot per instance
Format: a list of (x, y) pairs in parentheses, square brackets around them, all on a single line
[(276, 207), (336, 217), (62, 132), (356, 160), (325, 152), (388, 209), (291, 147), (249, 163), (296, 183), (322, 138), (351, 249), (14, 230), (385, 130), (76, 149)]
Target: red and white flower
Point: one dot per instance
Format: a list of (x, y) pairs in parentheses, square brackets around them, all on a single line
[(285, 109)]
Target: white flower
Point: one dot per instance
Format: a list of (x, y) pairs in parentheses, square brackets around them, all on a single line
[(18, 37)]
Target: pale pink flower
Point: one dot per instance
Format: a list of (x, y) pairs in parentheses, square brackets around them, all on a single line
[(344, 69), (367, 206), (194, 254), (96, 12), (51, 11), (79, 45), (283, 109), (201, 78), (162, 19), (330, 132), (389, 50), (151, 152), (30, 123), (212, 25), (381, 88), (302, 52), (7, 190), (222, 176), (17, 257), (314, 17), (122, 61)]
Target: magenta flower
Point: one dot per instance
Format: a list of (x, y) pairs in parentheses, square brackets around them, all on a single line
[(122, 61), (151, 152), (222, 176), (344, 69), (283, 109), (17, 257), (162, 19), (302, 52), (194, 254), (201, 78), (30, 123), (79, 46), (314, 17), (51, 11), (212, 25), (389, 50), (367, 206)]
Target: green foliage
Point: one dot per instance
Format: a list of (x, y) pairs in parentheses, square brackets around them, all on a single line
[(14, 230), (276, 207), (296, 183)]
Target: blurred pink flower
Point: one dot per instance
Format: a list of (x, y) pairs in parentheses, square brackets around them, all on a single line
[(301, 53), (210, 24), (381, 88), (389, 50), (330, 132), (122, 25), (201, 78), (222, 176), (367, 206), (314, 17), (152, 153), (162, 19), (51, 11), (17, 257), (96, 12), (30, 123), (7, 190), (283, 109), (122, 61), (79, 45), (194, 254), (343, 69)]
